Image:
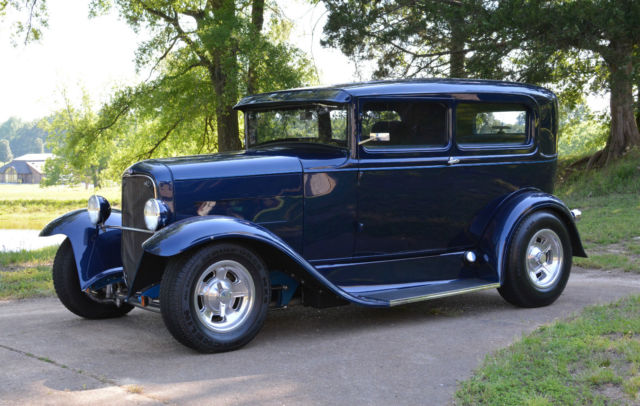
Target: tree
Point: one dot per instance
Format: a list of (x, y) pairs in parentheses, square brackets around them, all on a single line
[(201, 60), (406, 38), (5, 151), (571, 46), (23, 137), (73, 162), (38, 146), (575, 45), (32, 17), (217, 45)]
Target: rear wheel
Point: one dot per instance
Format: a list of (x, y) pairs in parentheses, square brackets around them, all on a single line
[(216, 298), (67, 286), (539, 261)]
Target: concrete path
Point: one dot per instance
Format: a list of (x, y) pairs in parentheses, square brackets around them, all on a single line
[(16, 240), (349, 355)]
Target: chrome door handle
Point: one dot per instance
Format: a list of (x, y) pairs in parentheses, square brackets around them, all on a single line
[(452, 161)]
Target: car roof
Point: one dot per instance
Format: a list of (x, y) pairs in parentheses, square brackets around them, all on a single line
[(343, 93)]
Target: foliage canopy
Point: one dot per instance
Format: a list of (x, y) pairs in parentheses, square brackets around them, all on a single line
[(201, 57), (572, 46)]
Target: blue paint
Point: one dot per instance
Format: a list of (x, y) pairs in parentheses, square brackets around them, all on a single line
[(351, 219), (284, 285), (196, 231), (106, 277), (95, 250), (497, 234), (153, 292)]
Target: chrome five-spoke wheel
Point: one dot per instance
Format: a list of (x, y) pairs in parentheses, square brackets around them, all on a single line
[(538, 262), (224, 295), (215, 298), (544, 258)]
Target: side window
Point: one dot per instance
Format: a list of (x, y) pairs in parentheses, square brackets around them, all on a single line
[(408, 124), (480, 124)]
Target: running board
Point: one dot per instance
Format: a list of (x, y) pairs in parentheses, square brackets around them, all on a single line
[(400, 296)]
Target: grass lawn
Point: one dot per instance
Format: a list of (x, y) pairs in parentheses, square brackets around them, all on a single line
[(592, 359), (32, 207), (610, 202), (26, 274)]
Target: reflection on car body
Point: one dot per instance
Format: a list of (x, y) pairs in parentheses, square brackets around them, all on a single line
[(378, 193)]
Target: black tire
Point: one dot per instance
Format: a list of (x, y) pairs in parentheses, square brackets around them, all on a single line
[(519, 287), (67, 286), (179, 302)]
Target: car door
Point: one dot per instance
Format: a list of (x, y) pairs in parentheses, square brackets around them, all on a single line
[(404, 186), (495, 154)]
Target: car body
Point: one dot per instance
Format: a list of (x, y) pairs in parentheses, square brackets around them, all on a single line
[(377, 193)]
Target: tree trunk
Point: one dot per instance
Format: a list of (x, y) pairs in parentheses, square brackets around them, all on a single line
[(223, 74), (228, 130), (456, 47), (638, 106), (95, 178), (226, 117), (257, 20), (624, 129)]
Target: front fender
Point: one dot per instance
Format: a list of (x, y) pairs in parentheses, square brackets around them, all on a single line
[(94, 250), (196, 231), (499, 231)]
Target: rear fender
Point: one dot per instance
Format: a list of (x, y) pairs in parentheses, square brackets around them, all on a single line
[(194, 232), (497, 235), (96, 251)]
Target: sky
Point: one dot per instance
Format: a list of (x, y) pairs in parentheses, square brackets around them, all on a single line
[(97, 55)]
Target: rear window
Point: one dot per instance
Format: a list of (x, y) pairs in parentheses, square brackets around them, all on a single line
[(480, 124), (408, 124)]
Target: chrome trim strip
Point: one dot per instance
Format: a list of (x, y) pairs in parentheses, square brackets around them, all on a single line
[(140, 230), (155, 190), (442, 294)]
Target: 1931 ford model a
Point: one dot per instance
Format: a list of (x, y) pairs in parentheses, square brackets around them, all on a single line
[(379, 193)]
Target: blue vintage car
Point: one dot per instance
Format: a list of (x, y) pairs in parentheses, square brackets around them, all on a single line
[(378, 193)]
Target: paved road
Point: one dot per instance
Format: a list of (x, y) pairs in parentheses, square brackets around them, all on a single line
[(349, 355)]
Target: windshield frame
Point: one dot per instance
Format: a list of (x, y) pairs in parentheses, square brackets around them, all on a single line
[(299, 106)]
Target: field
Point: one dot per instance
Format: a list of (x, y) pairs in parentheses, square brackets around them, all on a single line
[(32, 207), (26, 274)]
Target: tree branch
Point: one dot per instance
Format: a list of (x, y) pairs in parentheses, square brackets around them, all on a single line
[(162, 57), (148, 154), (29, 23), (176, 25)]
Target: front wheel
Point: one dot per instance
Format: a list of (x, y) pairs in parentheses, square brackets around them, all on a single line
[(216, 298), (67, 286), (539, 261)]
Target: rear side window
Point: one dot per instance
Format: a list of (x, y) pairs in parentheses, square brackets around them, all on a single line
[(480, 124), (409, 124)]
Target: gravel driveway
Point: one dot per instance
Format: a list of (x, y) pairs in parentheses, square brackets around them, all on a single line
[(411, 354)]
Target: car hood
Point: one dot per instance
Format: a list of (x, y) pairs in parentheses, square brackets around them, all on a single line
[(225, 165)]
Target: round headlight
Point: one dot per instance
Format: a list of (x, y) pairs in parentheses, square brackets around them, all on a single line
[(99, 209), (155, 214)]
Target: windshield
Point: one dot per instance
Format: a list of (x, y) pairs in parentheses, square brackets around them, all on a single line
[(318, 124)]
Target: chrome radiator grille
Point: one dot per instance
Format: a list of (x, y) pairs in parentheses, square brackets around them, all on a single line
[(136, 190)]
